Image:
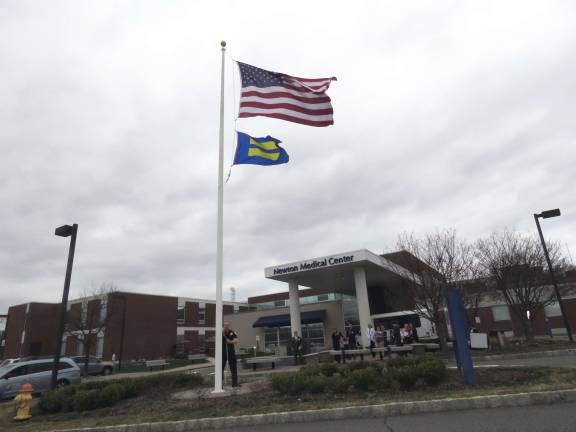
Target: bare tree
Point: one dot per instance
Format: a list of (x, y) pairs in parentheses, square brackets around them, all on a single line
[(89, 317), (516, 263), (443, 261)]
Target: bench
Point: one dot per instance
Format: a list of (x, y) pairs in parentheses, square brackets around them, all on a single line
[(381, 351), (156, 363), (361, 352), (432, 347), (254, 361), (404, 349)]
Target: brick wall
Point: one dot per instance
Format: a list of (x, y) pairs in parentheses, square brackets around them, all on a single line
[(191, 314), (150, 330), (514, 325), (42, 325), (14, 328), (210, 315)]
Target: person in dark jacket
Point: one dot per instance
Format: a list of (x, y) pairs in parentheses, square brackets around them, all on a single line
[(396, 338), (351, 336), (336, 345), (297, 348), (229, 342)]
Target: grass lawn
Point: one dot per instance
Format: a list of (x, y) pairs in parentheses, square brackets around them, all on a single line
[(157, 406)]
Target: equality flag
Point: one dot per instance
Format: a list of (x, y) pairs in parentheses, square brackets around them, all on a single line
[(259, 151), (281, 96)]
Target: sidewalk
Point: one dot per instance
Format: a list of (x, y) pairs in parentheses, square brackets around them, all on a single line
[(209, 364), (265, 372)]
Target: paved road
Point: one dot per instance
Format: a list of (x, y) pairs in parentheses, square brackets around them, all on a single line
[(560, 361), (542, 418)]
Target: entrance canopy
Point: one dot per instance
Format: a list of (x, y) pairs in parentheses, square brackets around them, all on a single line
[(335, 273), (284, 319)]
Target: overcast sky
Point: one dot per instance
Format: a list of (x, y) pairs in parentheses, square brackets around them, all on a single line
[(447, 114)]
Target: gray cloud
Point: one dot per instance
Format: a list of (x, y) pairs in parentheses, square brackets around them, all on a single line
[(452, 114)]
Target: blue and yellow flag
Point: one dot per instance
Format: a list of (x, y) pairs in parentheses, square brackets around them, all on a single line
[(259, 151)]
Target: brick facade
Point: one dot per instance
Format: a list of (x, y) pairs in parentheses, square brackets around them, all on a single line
[(31, 330)]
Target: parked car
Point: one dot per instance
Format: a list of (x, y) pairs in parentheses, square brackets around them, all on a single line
[(95, 365), (38, 373)]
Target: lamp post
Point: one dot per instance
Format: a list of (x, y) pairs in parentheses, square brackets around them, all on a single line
[(64, 231), (545, 215)]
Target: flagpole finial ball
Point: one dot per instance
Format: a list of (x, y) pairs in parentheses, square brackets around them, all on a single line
[(223, 44)]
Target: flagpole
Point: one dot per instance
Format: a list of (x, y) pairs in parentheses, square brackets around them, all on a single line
[(218, 373)]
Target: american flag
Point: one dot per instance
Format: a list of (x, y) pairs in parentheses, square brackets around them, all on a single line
[(281, 96)]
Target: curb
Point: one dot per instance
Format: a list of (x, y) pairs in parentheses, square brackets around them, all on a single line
[(534, 354), (334, 414)]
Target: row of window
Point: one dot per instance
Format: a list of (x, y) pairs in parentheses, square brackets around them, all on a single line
[(286, 302), (80, 347), (277, 339), (181, 313), (502, 312), (84, 311)]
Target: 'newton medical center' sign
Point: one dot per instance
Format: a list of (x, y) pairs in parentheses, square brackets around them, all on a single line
[(311, 264)]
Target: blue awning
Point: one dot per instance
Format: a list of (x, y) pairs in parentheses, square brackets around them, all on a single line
[(284, 320)]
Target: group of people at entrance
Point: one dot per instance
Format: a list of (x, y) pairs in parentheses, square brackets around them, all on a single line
[(376, 338)]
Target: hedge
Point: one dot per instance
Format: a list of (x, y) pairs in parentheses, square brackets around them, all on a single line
[(99, 394), (401, 373)]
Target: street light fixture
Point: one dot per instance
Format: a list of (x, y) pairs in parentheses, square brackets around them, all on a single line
[(64, 231), (545, 215)]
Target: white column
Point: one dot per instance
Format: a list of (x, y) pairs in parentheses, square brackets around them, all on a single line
[(362, 302), (294, 308)]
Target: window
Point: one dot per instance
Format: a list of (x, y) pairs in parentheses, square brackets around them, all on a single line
[(40, 367), (201, 341), (181, 314), (103, 311), (22, 370), (280, 303), (64, 365), (202, 314), (501, 313), (553, 310), (323, 297), (64, 343), (275, 337), (83, 313), (313, 334), (80, 348), (99, 346)]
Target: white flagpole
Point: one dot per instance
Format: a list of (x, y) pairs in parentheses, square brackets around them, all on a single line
[(218, 375)]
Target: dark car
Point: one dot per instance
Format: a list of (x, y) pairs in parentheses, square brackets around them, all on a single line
[(95, 365)]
